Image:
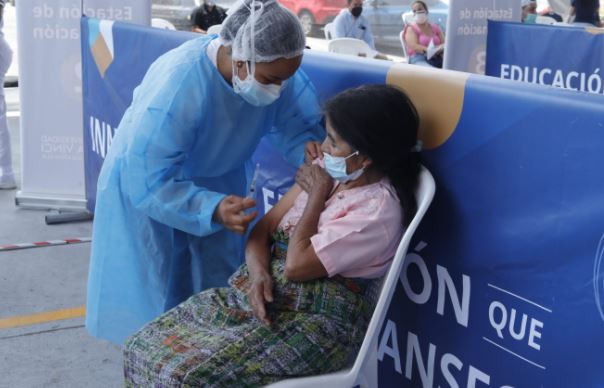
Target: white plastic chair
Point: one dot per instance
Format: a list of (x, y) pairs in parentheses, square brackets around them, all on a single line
[(163, 24), (215, 29), (401, 37), (329, 31), (364, 370), (542, 19), (407, 17), (350, 46)]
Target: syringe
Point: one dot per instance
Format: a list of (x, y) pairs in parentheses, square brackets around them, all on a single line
[(252, 189)]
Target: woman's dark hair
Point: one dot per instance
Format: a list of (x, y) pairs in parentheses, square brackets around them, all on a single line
[(380, 121), (422, 3)]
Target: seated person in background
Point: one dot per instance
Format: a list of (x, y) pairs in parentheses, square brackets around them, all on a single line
[(351, 24), (301, 303), (585, 12), (207, 15), (529, 11), (425, 41)]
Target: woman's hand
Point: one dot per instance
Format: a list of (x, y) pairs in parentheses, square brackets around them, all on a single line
[(312, 150), (314, 179), (260, 293), (230, 213)]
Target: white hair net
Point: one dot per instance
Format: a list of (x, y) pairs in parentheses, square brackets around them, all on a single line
[(262, 31)]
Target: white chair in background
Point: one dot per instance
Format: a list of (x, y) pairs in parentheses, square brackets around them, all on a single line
[(329, 31), (163, 24), (350, 46), (364, 370), (407, 18), (215, 29), (541, 19)]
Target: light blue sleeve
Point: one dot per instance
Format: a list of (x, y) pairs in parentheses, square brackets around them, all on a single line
[(298, 119), (340, 26), (166, 118), (368, 36)]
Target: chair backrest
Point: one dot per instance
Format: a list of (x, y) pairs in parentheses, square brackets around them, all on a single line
[(215, 29), (163, 24), (424, 196), (401, 36), (542, 19), (329, 31), (350, 46), (407, 18)]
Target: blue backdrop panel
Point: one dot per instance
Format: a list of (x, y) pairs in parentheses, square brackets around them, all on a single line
[(107, 97), (518, 217), (561, 56)]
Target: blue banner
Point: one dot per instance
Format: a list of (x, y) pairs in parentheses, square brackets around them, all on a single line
[(566, 57), (503, 285)]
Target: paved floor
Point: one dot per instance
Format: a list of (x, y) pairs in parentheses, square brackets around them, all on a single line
[(53, 352)]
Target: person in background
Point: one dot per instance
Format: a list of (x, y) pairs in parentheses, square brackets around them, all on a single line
[(171, 196), (7, 177), (207, 15), (350, 23), (585, 12), (422, 35), (302, 302), (529, 11)]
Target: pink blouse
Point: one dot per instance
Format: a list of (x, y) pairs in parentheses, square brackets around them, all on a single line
[(424, 39), (358, 232)]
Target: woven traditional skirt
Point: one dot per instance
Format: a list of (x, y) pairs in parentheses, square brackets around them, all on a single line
[(213, 339)]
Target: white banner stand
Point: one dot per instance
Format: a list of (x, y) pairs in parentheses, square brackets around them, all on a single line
[(466, 38), (50, 83)]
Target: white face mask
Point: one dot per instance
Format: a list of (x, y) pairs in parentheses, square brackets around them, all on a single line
[(420, 17), (335, 166), (254, 92)]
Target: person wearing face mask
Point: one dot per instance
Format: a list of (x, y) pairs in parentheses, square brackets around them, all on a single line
[(350, 23), (171, 207), (529, 11), (423, 38), (302, 302), (207, 15)]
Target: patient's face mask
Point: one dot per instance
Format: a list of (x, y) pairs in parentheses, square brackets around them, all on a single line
[(252, 91), (420, 17), (335, 166)]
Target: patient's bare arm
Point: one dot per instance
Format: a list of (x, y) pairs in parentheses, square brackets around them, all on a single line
[(302, 263)]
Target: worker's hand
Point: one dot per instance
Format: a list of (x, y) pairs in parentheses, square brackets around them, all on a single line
[(314, 179), (260, 293), (230, 213), (312, 150)]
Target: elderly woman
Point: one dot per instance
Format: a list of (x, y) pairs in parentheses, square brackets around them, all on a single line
[(420, 35), (301, 303)]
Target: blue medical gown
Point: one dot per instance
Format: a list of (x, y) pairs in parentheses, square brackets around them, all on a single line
[(180, 148)]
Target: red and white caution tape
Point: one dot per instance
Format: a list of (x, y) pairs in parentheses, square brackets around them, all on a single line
[(40, 244)]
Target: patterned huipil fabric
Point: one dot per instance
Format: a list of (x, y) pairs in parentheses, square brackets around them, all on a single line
[(214, 340)]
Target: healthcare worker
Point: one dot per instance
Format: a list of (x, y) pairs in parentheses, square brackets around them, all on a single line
[(170, 209)]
